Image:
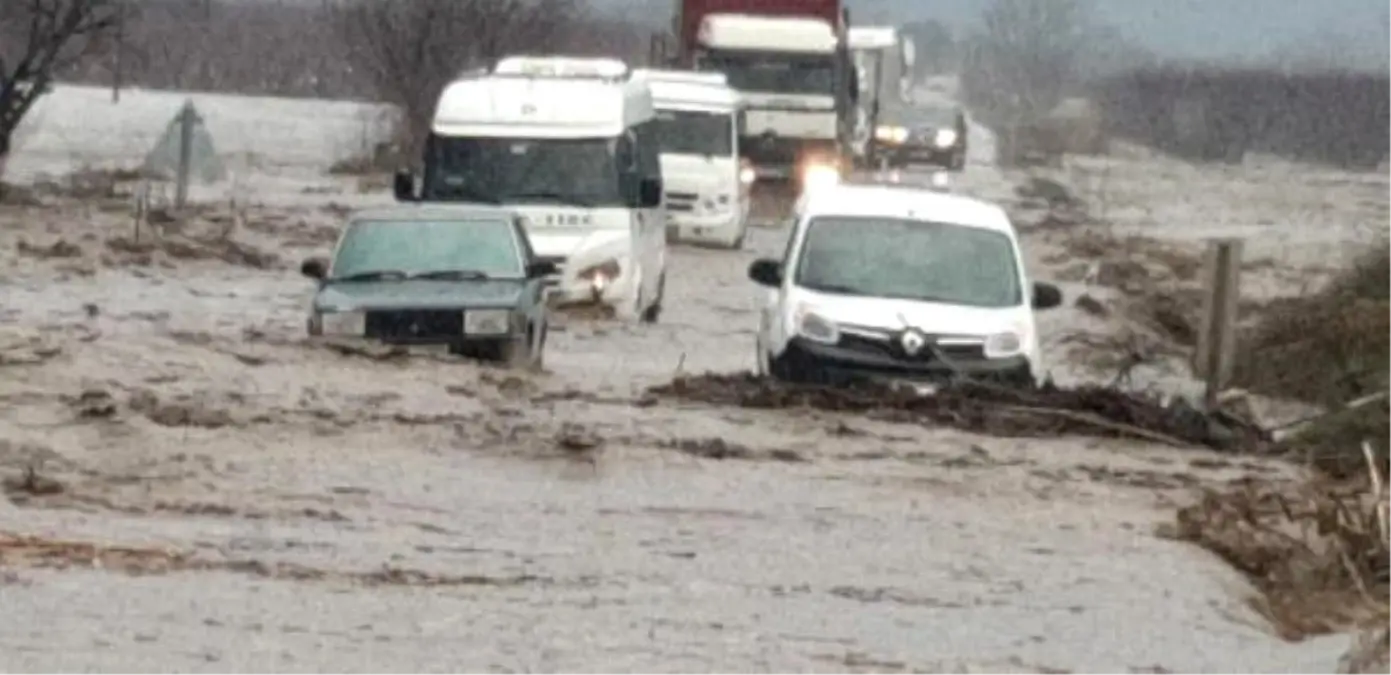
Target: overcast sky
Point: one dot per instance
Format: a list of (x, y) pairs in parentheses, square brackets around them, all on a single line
[(1203, 29)]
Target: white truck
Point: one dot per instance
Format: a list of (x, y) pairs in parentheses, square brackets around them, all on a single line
[(883, 61), (707, 184), (571, 145), (798, 86)]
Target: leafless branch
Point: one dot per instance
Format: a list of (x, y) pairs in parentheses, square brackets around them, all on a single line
[(37, 39)]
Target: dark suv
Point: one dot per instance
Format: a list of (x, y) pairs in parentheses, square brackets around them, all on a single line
[(921, 134)]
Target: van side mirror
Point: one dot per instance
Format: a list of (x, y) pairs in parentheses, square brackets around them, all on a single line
[(766, 272), (403, 185), (314, 268), (541, 268), (650, 193), (1046, 296)]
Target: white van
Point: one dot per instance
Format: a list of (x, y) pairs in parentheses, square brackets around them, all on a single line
[(571, 145), (902, 283), (707, 185)]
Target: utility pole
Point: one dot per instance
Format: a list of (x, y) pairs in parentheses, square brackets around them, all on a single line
[(119, 57)]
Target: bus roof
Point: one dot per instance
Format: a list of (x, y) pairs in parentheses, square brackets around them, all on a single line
[(536, 97)]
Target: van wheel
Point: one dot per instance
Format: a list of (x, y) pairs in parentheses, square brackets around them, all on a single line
[(654, 312), (793, 368)]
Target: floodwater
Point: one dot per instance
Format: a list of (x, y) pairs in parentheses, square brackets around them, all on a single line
[(212, 493)]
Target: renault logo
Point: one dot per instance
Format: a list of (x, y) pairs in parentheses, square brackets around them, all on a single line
[(913, 342), (415, 329)]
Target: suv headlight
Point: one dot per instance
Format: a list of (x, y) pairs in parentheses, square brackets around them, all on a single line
[(350, 323), (487, 322), (891, 134), (1004, 345), (816, 328), (945, 137)]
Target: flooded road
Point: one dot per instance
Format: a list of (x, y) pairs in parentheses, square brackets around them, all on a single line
[(192, 486)]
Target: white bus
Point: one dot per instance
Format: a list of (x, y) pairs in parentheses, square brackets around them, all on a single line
[(707, 185), (571, 145)]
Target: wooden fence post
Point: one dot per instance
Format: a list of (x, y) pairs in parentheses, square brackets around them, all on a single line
[(1217, 338)]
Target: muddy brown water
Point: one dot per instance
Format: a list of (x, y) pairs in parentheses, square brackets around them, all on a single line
[(281, 506)]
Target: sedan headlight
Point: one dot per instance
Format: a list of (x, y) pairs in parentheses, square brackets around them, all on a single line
[(891, 134), (816, 328), (351, 323), (487, 322), (1004, 345), (945, 137)]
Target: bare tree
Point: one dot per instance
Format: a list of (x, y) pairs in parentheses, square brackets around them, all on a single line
[(410, 49), (1026, 56), (936, 47), (38, 38)]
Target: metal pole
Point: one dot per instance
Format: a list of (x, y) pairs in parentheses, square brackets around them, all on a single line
[(187, 118), (119, 65), (875, 80), (1217, 340)]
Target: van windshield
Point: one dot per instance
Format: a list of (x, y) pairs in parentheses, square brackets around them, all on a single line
[(769, 73), (910, 260), (682, 132), (578, 172)]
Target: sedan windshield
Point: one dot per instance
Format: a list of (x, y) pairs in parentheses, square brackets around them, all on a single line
[(577, 172), (442, 249), (911, 260), (910, 115), (696, 133), (775, 73)]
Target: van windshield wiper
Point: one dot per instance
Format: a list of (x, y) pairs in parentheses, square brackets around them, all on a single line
[(570, 200), (451, 275), (373, 275)]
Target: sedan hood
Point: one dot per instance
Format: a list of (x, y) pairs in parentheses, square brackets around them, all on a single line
[(418, 294)]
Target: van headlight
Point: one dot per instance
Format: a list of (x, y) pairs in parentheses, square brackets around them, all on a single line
[(600, 275), (817, 328), (1004, 345), (945, 137), (487, 322), (348, 324), (890, 134)]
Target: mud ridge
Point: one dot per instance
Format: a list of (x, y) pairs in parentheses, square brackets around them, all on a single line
[(987, 409), (18, 551)]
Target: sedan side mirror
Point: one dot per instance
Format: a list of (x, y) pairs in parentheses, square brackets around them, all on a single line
[(766, 272), (541, 268), (1046, 296), (650, 193), (314, 268), (403, 185)]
